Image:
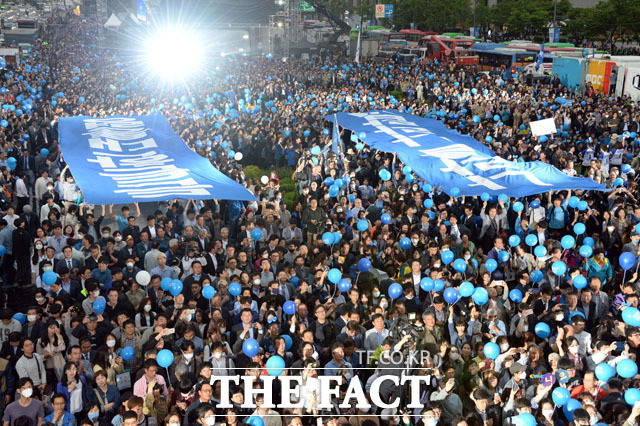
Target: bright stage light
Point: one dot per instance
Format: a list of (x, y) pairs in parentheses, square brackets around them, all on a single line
[(174, 54)]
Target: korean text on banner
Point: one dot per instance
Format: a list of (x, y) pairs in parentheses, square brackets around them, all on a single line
[(447, 159), (139, 158)]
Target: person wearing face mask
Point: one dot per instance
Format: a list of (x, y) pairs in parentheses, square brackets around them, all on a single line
[(145, 317), (25, 405), (547, 414), (187, 359), (206, 415), (518, 379), (221, 364)]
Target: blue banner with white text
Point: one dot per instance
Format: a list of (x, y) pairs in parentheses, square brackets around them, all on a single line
[(446, 158), (122, 159)]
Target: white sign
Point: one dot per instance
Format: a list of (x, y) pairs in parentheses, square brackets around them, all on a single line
[(543, 127)]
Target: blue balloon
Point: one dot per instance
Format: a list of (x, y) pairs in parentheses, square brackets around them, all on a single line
[(451, 295), (176, 287), (567, 242), (336, 237), (426, 284), (604, 372), (588, 241), (466, 289), (503, 256), (164, 358), (534, 204), (385, 218), (327, 238), (631, 396), (491, 265), (573, 201), (447, 256), (344, 285), (48, 277), (254, 421), (438, 285), (514, 240), (582, 205), (428, 203), (540, 251), (165, 284), (256, 234), (579, 228), (275, 365), (542, 330), (579, 282), (208, 292), (128, 352), (384, 174), (460, 265), (571, 406), (362, 225), (515, 295), (531, 240), (334, 275), (250, 347), (20, 317), (99, 306), (395, 290), (518, 206), (485, 196), (560, 396), (559, 268), (536, 276), (405, 243), (627, 260), (491, 350), (525, 419), (631, 316), (288, 341), (627, 368), (235, 288), (334, 190), (480, 296), (289, 307), (364, 264)]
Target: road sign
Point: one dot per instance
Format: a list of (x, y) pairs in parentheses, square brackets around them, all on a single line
[(384, 11)]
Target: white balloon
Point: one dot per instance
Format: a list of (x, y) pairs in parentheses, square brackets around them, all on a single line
[(264, 180), (238, 156), (143, 278)]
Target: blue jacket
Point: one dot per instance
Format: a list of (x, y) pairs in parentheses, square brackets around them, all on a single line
[(112, 395), (65, 391), (68, 419)]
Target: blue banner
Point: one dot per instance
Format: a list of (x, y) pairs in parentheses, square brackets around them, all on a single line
[(444, 157), (123, 159)]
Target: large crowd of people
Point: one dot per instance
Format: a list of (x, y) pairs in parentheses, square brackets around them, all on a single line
[(529, 329)]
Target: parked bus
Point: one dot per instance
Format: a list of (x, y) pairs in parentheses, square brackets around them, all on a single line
[(510, 59)]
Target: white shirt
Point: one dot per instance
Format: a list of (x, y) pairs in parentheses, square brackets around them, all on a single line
[(75, 398), (21, 189), (10, 219)]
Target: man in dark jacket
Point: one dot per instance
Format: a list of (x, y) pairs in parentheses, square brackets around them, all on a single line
[(21, 251)]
